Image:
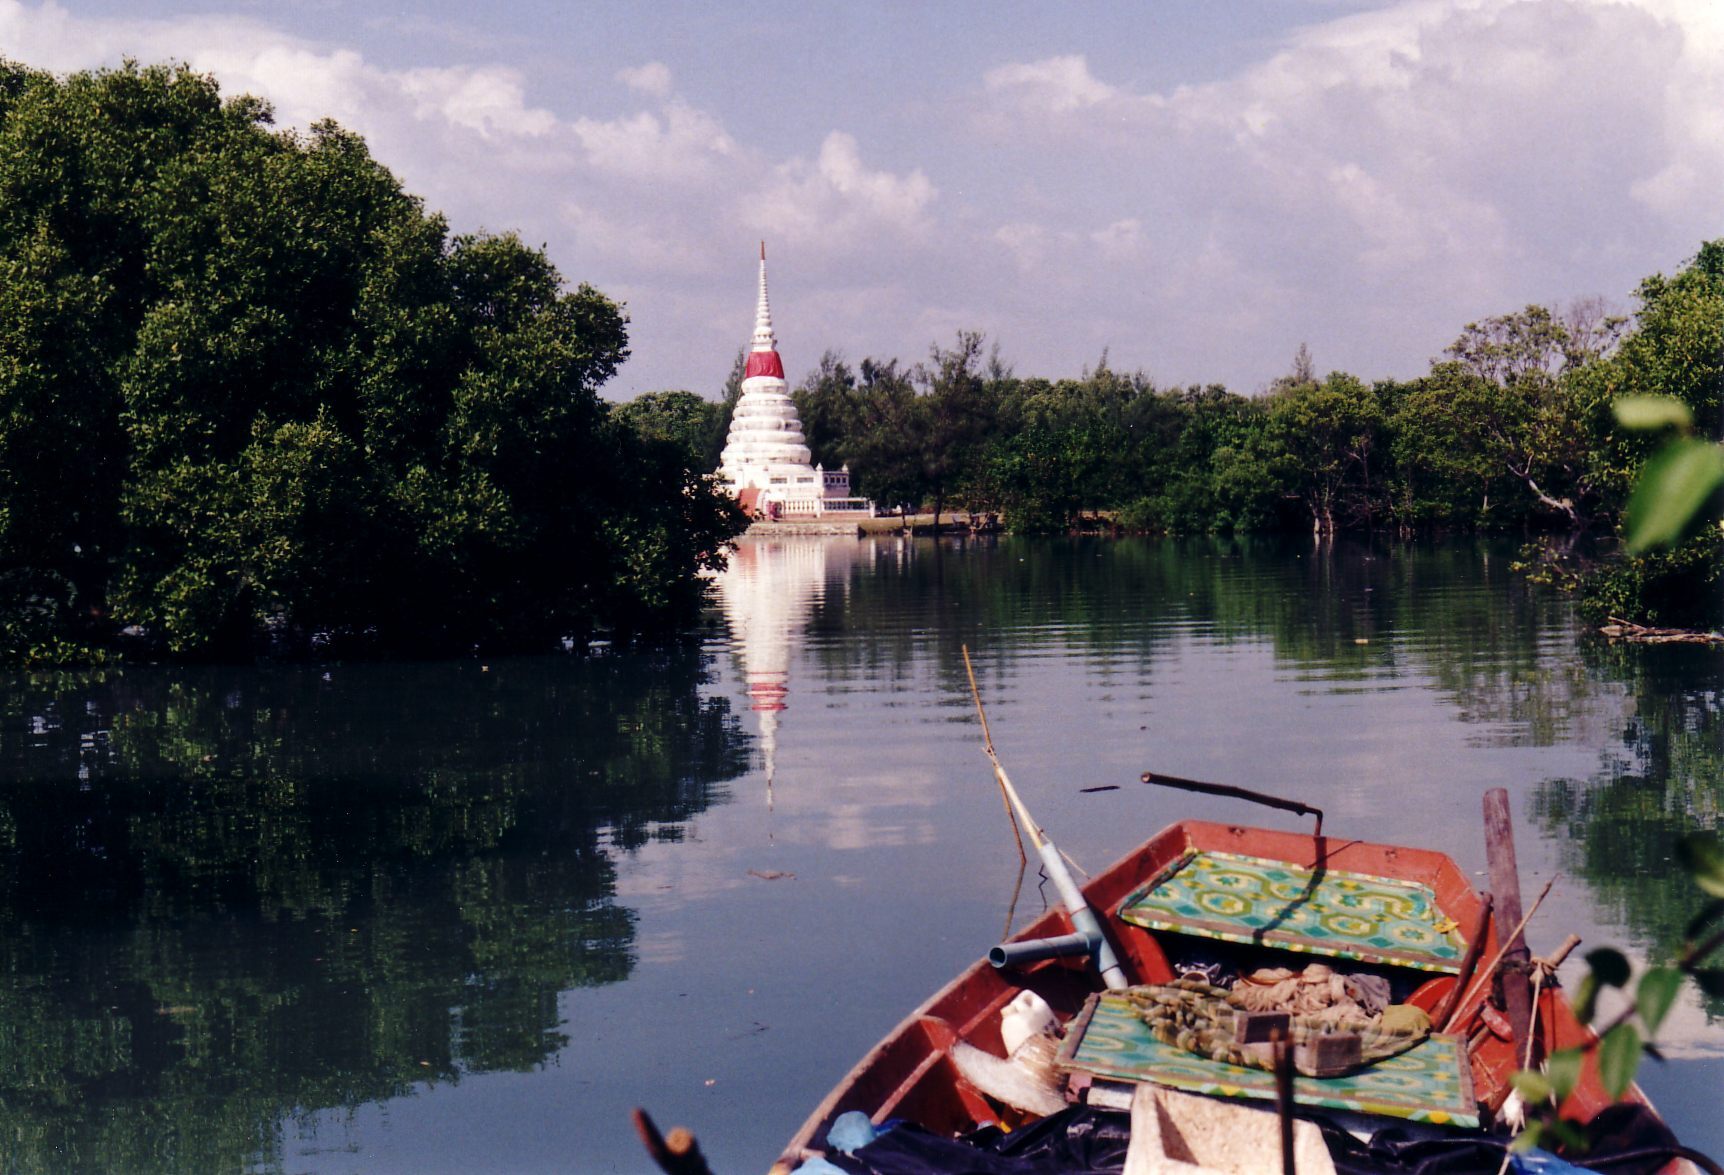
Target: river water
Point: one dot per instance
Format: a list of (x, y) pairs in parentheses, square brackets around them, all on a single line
[(466, 916)]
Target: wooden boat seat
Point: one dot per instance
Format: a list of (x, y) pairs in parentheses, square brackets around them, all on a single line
[(1372, 919)]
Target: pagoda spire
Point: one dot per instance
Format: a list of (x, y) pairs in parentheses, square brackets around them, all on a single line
[(763, 356)]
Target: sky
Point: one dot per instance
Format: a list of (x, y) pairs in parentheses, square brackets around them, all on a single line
[(1192, 189)]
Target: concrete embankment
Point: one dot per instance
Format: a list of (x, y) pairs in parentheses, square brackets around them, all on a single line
[(852, 527), (885, 524)]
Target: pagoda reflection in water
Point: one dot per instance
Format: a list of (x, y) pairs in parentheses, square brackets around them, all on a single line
[(768, 594)]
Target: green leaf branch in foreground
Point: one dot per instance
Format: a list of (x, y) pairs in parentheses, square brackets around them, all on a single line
[(1642, 413), (1673, 490), (1703, 857), (1670, 498), (1632, 1032)]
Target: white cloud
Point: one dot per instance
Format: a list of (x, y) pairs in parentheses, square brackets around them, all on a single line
[(653, 78), (835, 201), (302, 80), (1122, 238), (1056, 84), (49, 37), (677, 142), (1368, 184), (489, 101), (1026, 241), (1384, 177), (600, 231)]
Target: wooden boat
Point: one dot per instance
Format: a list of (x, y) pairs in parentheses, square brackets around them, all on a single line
[(1277, 897)]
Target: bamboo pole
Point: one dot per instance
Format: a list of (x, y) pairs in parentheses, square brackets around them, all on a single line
[(999, 771), (1237, 793), (1475, 948), (1083, 918), (1282, 1049)]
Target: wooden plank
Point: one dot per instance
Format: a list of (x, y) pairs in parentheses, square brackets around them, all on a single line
[(1505, 891), (1475, 948)]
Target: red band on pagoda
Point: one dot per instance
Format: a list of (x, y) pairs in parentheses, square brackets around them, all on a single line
[(764, 363)]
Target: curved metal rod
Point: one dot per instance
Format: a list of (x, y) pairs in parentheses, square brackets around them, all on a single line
[(1237, 793)]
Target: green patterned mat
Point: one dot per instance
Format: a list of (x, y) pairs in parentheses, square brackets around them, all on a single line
[(1429, 1083), (1273, 903)]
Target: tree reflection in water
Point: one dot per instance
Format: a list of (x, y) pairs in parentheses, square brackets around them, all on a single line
[(1619, 828), (230, 896)]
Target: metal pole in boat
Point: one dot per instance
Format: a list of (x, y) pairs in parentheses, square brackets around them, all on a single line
[(1281, 1049), (1083, 918)]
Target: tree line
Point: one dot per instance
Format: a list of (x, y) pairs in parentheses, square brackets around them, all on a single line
[(253, 395), (1510, 430)]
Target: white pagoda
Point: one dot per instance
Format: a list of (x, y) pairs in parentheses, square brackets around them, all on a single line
[(766, 459)]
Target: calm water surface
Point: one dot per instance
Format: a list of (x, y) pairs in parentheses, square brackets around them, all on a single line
[(465, 916)]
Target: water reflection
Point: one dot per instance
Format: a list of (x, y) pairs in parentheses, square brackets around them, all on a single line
[(767, 594), (1093, 624), (1662, 778), (1339, 616), (230, 896)]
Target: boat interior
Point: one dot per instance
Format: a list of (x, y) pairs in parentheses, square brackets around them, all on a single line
[(1206, 894)]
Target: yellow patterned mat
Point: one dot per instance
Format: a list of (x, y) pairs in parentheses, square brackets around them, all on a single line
[(1273, 903), (1429, 1083)]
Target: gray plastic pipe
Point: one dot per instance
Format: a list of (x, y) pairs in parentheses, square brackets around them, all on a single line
[(1016, 954), (1082, 917)]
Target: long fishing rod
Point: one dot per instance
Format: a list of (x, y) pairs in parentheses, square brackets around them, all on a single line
[(1089, 939)]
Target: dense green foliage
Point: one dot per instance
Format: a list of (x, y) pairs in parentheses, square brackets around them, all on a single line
[(1669, 374), (694, 425), (1500, 434), (251, 391)]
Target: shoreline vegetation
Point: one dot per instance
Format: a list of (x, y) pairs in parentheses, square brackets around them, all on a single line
[(255, 399)]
